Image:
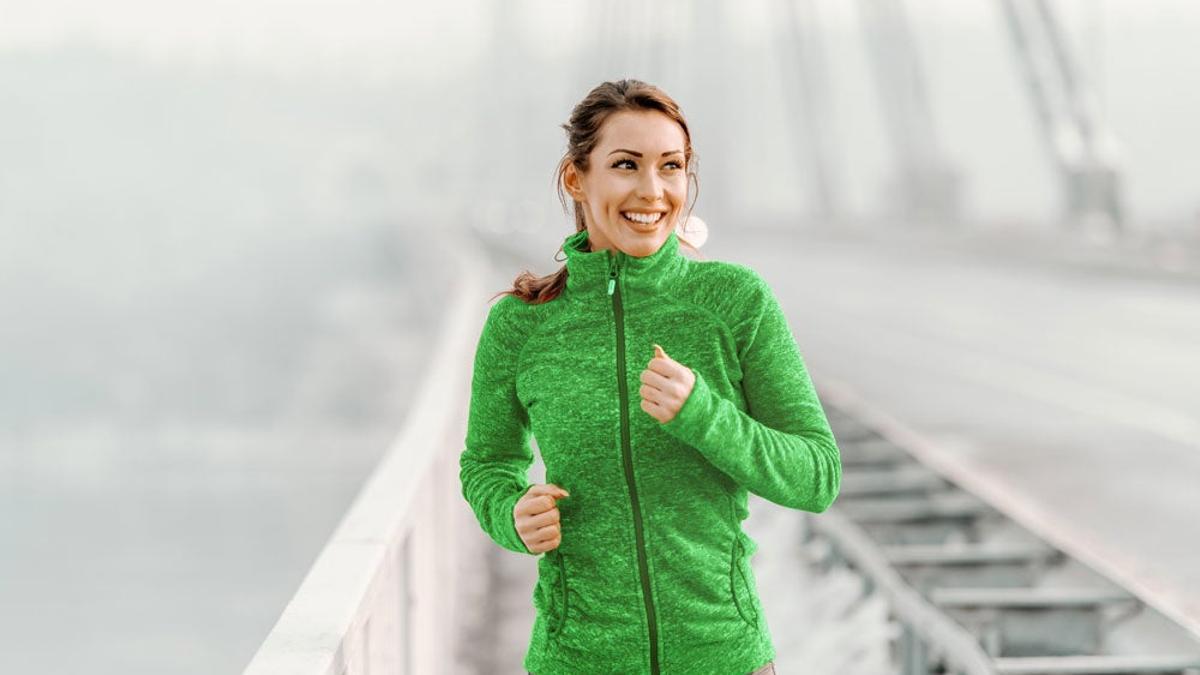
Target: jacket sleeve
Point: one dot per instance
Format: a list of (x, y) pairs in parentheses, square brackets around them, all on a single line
[(782, 448), (493, 467)]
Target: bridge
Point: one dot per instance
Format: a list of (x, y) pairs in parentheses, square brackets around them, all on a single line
[(1018, 430), (1015, 402), (990, 503), (978, 217)]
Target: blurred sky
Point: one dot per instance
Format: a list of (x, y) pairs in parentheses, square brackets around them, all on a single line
[(1141, 56)]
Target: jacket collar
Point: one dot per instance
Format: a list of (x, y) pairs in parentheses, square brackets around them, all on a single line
[(588, 272)]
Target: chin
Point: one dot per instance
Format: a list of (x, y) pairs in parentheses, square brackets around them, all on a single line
[(642, 244)]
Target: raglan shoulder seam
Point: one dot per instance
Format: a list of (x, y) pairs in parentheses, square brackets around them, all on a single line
[(512, 322), (540, 319), (749, 287)]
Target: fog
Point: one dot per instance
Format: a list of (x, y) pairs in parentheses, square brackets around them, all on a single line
[(222, 254)]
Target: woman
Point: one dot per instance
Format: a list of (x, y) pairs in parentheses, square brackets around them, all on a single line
[(661, 390)]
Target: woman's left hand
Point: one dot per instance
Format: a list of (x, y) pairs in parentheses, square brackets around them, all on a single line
[(666, 384)]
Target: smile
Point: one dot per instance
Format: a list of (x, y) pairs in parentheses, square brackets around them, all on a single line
[(641, 218)]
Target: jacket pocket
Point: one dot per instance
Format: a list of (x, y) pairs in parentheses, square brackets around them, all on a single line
[(741, 586), (551, 597)]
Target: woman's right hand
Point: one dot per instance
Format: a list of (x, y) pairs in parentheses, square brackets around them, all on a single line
[(536, 517)]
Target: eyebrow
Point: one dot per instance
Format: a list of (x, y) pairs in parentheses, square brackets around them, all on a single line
[(638, 154)]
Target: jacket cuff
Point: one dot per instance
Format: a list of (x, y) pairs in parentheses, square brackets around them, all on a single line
[(692, 422)]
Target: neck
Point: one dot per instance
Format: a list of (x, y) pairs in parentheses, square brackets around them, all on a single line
[(589, 269)]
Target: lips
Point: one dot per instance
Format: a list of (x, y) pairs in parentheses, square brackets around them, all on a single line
[(643, 227)]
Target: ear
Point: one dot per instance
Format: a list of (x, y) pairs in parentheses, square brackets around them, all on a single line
[(573, 184)]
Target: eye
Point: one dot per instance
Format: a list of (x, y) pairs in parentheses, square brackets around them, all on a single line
[(633, 164)]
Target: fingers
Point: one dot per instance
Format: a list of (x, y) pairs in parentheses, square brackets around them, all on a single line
[(662, 363), (664, 391), (672, 391), (659, 399), (655, 379), (546, 545), (666, 385), (545, 534), (537, 518), (548, 489), (656, 411), (535, 527), (663, 367), (530, 506), (536, 530), (539, 498)]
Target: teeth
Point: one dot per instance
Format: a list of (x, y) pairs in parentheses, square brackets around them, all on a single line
[(645, 218)]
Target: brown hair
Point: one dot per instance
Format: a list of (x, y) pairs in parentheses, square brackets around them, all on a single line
[(583, 132)]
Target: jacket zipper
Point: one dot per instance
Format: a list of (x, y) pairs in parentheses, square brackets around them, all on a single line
[(627, 456)]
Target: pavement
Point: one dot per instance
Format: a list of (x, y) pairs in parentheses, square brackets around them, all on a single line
[(1074, 388)]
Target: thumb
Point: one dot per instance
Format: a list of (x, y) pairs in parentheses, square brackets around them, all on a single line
[(549, 489), (659, 353)]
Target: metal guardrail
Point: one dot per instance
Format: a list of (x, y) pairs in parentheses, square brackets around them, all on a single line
[(975, 591), (375, 600)]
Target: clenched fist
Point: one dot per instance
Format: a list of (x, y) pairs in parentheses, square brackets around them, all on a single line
[(666, 384), (536, 517)]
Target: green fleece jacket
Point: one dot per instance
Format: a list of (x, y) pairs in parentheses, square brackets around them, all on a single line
[(653, 573)]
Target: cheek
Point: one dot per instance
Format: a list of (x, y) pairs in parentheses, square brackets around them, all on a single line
[(679, 193), (613, 198)]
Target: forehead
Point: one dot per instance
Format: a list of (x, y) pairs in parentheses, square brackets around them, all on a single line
[(647, 131)]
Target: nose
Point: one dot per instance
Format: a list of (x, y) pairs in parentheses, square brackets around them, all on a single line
[(650, 187)]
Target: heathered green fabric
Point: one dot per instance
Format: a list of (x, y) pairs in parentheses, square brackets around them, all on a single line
[(751, 423)]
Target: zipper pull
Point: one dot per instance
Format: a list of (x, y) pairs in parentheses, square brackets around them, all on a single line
[(612, 276)]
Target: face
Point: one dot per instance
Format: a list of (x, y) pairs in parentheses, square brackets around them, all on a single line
[(636, 169)]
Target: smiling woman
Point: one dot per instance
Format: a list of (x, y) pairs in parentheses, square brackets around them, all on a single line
[(631, 184), (662, 390), (628, 164), (633, 198)]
